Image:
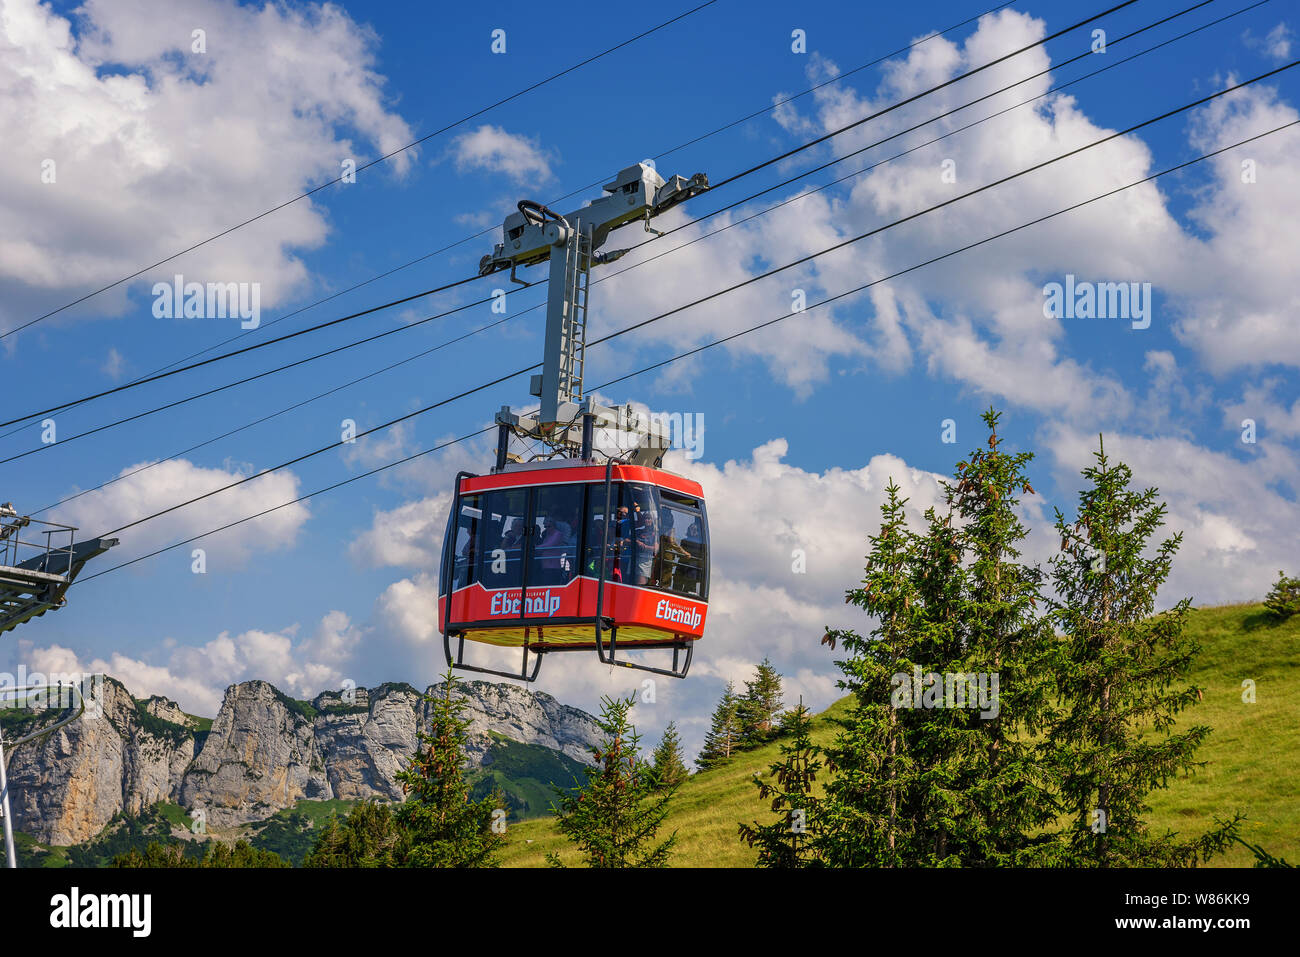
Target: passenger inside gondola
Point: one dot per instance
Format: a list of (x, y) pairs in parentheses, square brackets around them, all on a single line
[(552, 552), (674, 557), (514, 536), (646, 547)]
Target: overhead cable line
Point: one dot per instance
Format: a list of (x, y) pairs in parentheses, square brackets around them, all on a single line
[(714, 295), (255, 346), (267, 372), (260, 420), (709, 345), (796, 198), (364, 166), (733, 178), (581, 189), (916, 96)]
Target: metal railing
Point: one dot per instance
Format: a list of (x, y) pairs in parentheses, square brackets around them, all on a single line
[(15, 550)]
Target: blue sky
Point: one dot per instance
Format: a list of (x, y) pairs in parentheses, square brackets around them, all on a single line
[(157, 147)]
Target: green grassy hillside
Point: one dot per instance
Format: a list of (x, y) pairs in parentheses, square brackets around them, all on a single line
[(524, 773), (1252, 758)]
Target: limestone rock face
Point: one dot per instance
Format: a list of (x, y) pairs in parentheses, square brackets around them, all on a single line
[(259, 757), (368, 740), (532, 717), (66, 787), (264, 752)]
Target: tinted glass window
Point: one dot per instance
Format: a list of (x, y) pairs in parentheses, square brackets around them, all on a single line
[(682, 559), (633, 534), (595, 531), (502, 535), (464, 541), (638, 533), (557, 525)]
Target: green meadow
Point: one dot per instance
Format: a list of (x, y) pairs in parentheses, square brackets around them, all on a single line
[(1251, 759)]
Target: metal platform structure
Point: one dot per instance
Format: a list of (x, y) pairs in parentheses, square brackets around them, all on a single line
[(38, 562)]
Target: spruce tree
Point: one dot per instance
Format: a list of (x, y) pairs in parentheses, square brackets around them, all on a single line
[(935, 744), (441, 826), (760, 705), (723, 737), (1122, 676), (791, 840), (865, 813), (240, 854), (1262, 857), (1003, 794), (668, 761), (1283, 599), (217, 854), (615, 816), (156, 855), (367, 837), (918, 779)]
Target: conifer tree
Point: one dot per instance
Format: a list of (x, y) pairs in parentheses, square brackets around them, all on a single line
[(240, 854), (723, 737), (217, 854), (1283, 599), (615, 816), (1262, 857), (669, 763), (791, 840), (367, 837), (1003, 794), (759, 707), (864, 816), (1122, 675), (948, 782), (936, 741), (157, 854), (441, 826)]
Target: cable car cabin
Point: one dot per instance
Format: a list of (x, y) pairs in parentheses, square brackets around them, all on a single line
[(566, 555)]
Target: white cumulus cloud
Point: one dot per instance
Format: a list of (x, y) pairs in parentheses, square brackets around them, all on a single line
[(124, 145)]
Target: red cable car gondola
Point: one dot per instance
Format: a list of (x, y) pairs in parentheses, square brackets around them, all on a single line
[(566, 555), (567, 552)]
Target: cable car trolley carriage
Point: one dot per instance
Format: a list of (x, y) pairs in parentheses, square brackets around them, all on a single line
[(574, 548), (567, 556)]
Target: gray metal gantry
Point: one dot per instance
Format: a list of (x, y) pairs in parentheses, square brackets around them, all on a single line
[(38, 562), (572, 243)]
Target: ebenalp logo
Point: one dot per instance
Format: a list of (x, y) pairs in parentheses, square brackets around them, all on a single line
[(690, 617), (503, 603)]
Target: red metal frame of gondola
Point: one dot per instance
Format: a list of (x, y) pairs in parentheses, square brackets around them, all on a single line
[(600, 622), (600, 599)]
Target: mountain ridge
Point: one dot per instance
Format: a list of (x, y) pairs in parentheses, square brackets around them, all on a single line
[(262, 753)]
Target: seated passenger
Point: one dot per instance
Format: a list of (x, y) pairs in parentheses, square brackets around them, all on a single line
[(514, 535), (646, 545), (571, 528), (552, 551), (671, 551)]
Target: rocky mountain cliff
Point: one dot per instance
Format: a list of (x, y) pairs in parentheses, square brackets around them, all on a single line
[(263, 752)]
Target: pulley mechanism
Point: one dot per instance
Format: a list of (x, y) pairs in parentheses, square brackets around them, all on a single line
[(572, 243)]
